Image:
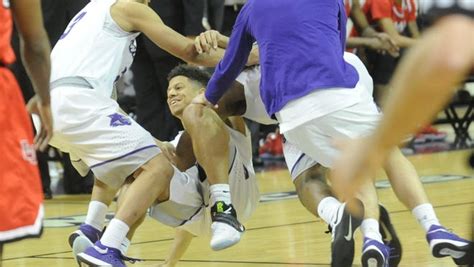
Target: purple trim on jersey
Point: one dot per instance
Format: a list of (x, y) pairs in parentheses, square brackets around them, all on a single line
[(192, 216), (233, 159), (296, 163), (123, 156)]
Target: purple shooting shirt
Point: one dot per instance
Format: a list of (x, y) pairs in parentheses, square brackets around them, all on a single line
[(301, 45)]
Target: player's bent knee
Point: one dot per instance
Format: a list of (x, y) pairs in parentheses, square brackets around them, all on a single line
[(313, 176), (159, 168), (193, 114)]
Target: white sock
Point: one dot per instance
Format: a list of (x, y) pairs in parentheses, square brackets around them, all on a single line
[(370, 229), (425, 215), (114, 234), (124, 246), (220, 192), (96, 215), (327, 209)]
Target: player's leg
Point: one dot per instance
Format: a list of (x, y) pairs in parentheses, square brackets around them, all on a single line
[(322, 150), (312, 189), (316, 196), (151, 184), (211, 147), (91, 230), (126, 242), (114, 147), (409, 190), (89, 233)]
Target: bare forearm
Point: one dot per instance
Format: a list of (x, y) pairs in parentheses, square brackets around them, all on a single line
[(210, 59), (403, 41), (354, 42), (36, 59), (419, 92), (223, 41)]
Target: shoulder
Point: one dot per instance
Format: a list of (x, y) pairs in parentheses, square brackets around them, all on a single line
[(129, 14)]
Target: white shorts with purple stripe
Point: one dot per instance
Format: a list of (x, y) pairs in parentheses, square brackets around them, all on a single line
[(98, 135)]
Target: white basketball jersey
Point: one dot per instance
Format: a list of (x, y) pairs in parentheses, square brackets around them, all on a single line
[(187, 206), (250, 79), (94, 47)]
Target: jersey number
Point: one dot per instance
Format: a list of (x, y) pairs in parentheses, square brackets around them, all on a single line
[(74, 22)]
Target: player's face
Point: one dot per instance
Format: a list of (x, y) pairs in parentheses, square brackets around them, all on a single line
[(181, 92)]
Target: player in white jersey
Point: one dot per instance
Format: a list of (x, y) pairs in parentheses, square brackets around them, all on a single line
[(95, 49), (185, 202), (185, 82)]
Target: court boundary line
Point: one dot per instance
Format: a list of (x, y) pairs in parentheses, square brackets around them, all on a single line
[(249, 229)]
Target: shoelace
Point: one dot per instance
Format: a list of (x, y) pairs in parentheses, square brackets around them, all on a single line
[(329, 230), (131, 260)]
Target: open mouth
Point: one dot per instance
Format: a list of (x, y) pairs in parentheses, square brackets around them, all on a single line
[(174, 101)]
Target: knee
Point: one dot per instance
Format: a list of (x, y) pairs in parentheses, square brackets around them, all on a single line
[(310, 178), (193, 115), (159, 168)]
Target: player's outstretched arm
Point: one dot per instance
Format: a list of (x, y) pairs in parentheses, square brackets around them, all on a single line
[(35, 52), (133, 16), (207, 38), (182, 240)]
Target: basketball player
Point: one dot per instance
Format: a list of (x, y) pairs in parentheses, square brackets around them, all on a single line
[(417, 95), (21, 194), (305, 82), (184, 202), (95, 49), (310, 127), (189, 193), (308, 178)]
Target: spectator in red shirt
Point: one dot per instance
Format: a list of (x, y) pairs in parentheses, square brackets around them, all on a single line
[(369, 37), (396, 18)]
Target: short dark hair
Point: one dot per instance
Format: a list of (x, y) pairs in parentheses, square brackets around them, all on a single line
[(193, 73)]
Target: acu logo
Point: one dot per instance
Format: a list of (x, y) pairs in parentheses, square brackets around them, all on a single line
[(117, 119)]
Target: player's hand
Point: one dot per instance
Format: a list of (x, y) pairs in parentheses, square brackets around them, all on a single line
[(354, 166), (387, 44), (202, 100), (207, 41), (254, 57), (168, 150), (43, 110)]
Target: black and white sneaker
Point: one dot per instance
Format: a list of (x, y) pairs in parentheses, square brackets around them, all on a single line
[(342, 246), (390, 238), (226, 229)]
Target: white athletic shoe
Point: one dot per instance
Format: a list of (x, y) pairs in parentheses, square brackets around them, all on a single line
[(224, 236), (226, 229), (80, 244)]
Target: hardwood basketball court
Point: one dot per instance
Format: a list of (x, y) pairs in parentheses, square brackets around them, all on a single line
[(281, 233)]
